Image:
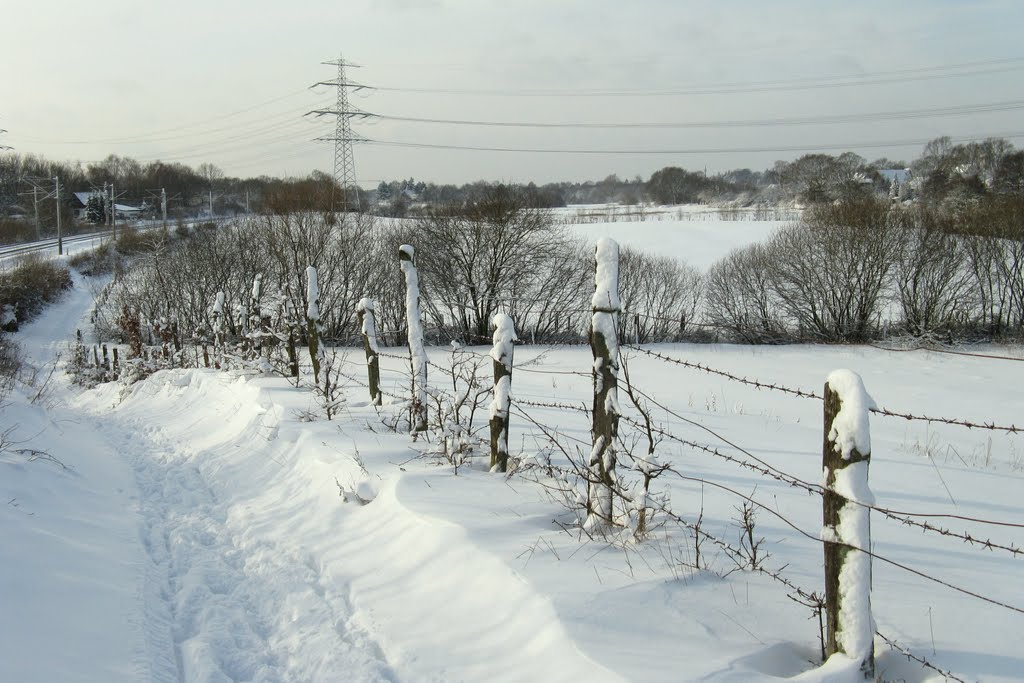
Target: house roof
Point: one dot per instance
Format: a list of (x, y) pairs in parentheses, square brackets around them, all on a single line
[(83, 198), (901, 175)]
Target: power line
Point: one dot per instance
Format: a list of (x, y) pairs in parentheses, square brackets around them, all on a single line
[(148, 135), (242, 128), (957, 110), (877, 78), (692, 150)]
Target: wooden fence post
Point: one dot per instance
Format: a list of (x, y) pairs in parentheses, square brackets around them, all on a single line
[(368, 324), (313, 322), (501, 353), (116, 361), (218, 326), (849, 627), (414, 325), (605, 346)]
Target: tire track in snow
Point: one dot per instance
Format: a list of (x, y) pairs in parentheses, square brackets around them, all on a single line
[(222, 606)]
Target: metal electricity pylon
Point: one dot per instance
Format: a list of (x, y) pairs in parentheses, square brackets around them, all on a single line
[(344, 161)]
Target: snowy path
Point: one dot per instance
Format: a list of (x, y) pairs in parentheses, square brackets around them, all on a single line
[(223, 604)]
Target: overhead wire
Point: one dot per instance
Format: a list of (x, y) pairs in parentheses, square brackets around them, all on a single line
[(938, 112), (692, 150), (852, 80)]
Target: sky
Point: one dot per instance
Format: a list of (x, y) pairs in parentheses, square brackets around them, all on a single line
[(730, 84)]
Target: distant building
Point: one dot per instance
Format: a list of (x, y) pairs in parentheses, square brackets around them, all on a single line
[(900, 175), (80, 203)]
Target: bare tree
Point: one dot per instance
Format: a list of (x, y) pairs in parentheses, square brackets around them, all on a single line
[(931, 278), (475, 254), (832, 270), (740, 298)]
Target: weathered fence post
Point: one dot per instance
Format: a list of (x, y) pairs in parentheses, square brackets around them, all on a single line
[(291, 317), (849, 627), (414, 323), (605, 345), (116, 364), (313, 322), (365, 314), (218, 325), (256, 330), (501, 353)]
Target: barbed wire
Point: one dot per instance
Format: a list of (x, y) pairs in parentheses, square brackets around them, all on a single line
[(932, 349), (811, 598), (766, 469), (801, 393), (920, 660)]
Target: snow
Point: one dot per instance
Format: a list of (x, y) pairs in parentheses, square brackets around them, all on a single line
[(606, 277), (414, 324), (203, 532), (502, 352), (850, 428), (697, 242), (312, 295), (369, 328), (855, 633)]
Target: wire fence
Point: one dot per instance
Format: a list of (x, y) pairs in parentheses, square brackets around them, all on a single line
[(932, 523)]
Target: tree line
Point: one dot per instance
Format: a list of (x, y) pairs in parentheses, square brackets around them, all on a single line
[(851, 271)]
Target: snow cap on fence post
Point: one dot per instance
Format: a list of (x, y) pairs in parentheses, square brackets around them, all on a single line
[(367, 324), (414, 323), (501, 353), (312, 295), (605, 413), (846, 529), (313, 322)]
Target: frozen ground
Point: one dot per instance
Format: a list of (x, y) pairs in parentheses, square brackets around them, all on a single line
[(205, 531), (697, 234), (201, 535)]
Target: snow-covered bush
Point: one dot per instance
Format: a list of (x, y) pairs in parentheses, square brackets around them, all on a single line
[(33, 283)]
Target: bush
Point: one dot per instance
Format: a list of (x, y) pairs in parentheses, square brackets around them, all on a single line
[(15, 231), (99, 261), (32, 284), (131, 241), (740, 299), (10, 364), (831, 271)]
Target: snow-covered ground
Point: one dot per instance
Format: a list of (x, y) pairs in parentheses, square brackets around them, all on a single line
[(697, 234), (206, 531), (201, 534)]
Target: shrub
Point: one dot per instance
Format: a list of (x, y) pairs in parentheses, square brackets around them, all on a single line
[(32, 284)]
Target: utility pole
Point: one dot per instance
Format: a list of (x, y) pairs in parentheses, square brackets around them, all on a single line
[(113, 213), (344, 162), (39, 194), (247, 201), (163, 205), (56, 193), (35, 205)]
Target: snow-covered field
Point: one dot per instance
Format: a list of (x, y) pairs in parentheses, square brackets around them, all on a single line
[(205, 531), (697, 234)]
